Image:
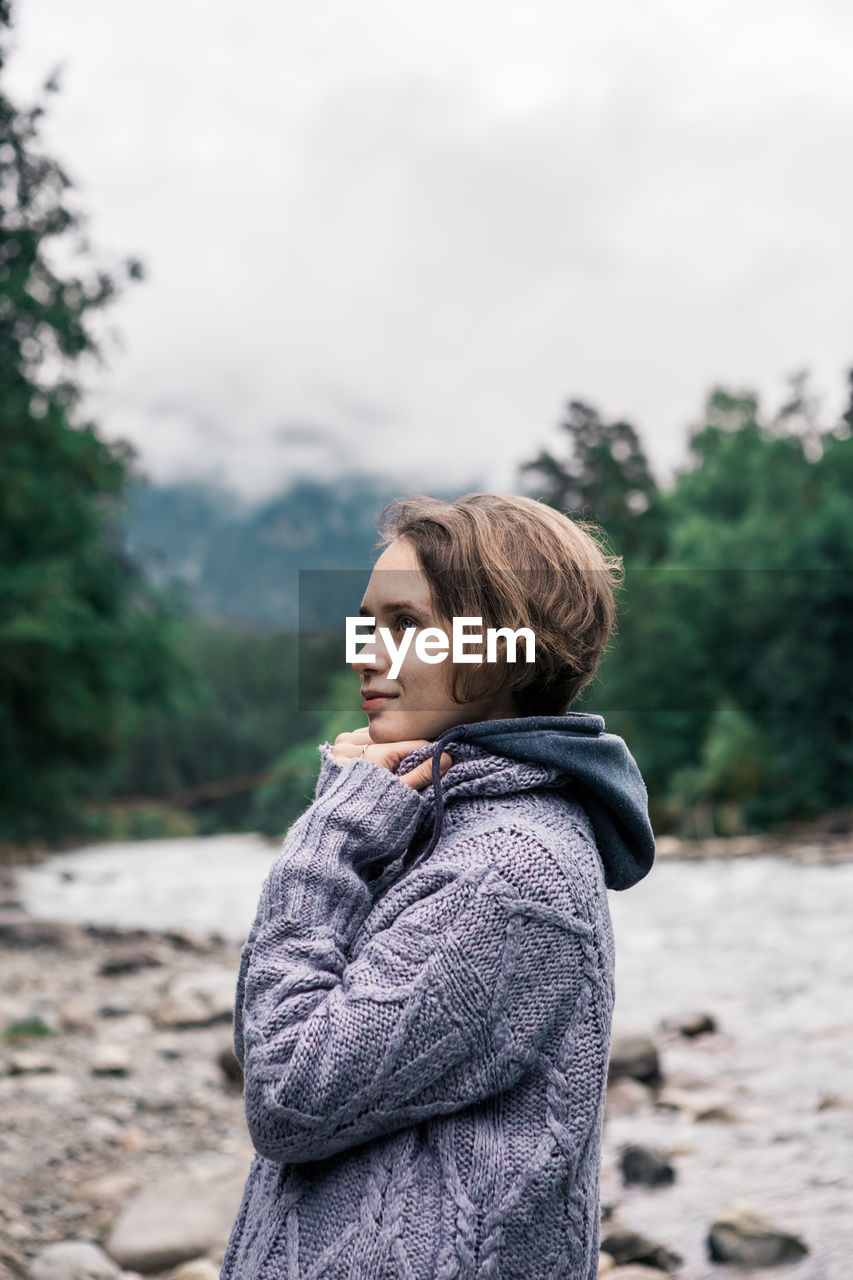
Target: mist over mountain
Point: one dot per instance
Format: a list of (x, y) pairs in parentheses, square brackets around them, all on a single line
[(239, 563)]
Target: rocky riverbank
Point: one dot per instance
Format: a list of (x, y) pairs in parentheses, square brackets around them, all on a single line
[(124, 1149)]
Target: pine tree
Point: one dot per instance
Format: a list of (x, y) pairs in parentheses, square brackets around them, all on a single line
[(83, 642)]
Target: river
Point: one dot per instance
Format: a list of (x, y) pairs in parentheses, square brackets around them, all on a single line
[(763, 944)]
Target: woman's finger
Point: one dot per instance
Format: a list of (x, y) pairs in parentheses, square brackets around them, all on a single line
[(422, 776)]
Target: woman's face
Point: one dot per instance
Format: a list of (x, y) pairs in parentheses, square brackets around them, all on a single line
[(398, 597)]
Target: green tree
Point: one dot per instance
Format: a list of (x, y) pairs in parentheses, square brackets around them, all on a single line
[(605, 476), (736, 643), (83, 643)]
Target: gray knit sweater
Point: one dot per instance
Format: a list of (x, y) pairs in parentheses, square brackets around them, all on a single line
[(425, 1047)]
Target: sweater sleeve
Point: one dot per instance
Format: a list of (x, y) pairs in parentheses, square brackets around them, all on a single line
[(329, 770), (449, 1004)]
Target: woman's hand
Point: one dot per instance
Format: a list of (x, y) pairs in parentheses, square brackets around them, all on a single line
[(348, 746)]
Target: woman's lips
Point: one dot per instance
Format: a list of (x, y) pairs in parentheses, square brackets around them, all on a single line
[(370, 704)]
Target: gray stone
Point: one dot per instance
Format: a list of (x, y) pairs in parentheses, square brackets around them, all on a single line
[(646, 1167), (197, 999), (697, 1104), (29, 1061), (129, 959), (636, 1056), (690, 1024), (110, 1060), (42, 933), (634, 1271), (625, 1245), (73, 1260), (198, 1269), (229, 1065), (180, 1012), (76, 1014), (180, 1218), (626, 1097), (740, 1235)]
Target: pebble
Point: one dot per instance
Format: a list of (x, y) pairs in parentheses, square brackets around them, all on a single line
[(129, 959), (73, 1260), (198, 1269), (228, 1064), (30, 1061), (636, 1056), (181, 1011), (625, 1245), (627, 1097), (690, 1024), (634, 1271), (646, 1166), (110, 1060), (179, 1218), (76, 1014), (740, 1235)]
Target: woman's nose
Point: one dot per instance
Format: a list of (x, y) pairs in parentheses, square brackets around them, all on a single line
[(373, 656)]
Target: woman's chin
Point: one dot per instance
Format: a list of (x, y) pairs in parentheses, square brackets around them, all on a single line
[(385, 726)]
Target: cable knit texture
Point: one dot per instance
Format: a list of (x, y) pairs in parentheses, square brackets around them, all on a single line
[(425, 1047)]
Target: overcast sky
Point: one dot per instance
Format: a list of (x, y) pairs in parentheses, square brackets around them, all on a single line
[(400, 236)]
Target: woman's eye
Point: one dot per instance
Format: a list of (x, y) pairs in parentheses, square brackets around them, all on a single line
[(405, 617)]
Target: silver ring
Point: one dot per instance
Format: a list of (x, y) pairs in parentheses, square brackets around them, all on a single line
[(364, 748)]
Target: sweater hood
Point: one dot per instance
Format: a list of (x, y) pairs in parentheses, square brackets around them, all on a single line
[(569, 750)]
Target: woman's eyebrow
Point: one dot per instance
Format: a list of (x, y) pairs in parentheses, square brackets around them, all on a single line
[(391, 607)]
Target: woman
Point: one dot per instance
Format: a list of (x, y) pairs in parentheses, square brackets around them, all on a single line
[(424, 1001)]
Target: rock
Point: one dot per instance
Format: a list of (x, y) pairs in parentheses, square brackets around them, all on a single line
[(180, 1012), (29, 1061), (634, 1271), (625, 1246), (686, 1078), (185, 939), (829, 1100), (42, 933), (197, 1000), (626, 1097), (110, 1060), (228, 1064), (697, 1105), (129, 959), (132, 1027), (108, 1189), (635, 1056), (198, 1269), (73, 1260), (740, 1235), (646, 1167), (103, 1128), (51, 1088), (214, 986), (715, 1111), (178, 1219), (133, 1140), (690, 1024), (76, 1014)]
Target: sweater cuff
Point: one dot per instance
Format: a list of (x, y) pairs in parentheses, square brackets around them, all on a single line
[(329, 769), (375, 811)]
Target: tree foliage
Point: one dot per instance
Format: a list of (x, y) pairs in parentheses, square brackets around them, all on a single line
[(606, 475), (730, 675), (83, 642)]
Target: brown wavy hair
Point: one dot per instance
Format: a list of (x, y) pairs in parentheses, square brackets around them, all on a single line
[(515, 562)]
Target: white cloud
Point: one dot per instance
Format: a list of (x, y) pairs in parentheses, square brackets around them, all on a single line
[(425, 227)]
